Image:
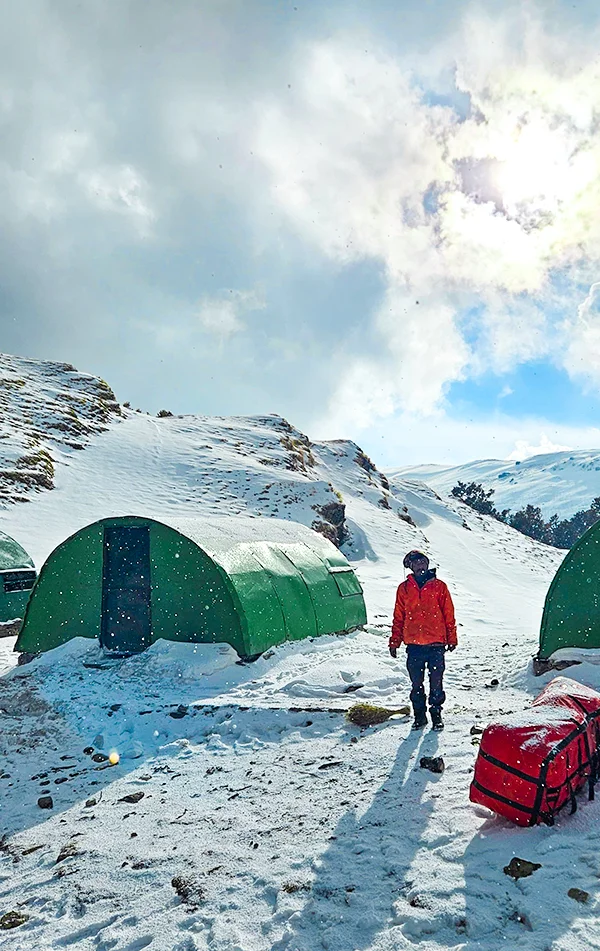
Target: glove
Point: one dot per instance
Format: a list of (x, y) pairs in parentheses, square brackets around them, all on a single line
[(393, 651), (451, 647)]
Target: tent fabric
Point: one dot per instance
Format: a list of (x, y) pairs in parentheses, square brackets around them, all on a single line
[(17, 576), (12, 555), (249, 582), (571, 615)]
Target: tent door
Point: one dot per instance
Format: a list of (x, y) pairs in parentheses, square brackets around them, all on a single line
[(125, 627)]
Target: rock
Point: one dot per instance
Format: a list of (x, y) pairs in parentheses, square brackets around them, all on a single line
[(520, 868), (434, 764), (13, 919), (90, 803), (45, 802), (476, 730), (132, 797), (179, 713), (190, 892), (351, 688), (578, 894), (67, 852)]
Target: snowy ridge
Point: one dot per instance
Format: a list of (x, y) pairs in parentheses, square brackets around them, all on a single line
[(561, 482), (245, 813), (47, 410)]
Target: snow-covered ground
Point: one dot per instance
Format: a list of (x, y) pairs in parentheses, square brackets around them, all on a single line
[(245, 813), (561, 482)]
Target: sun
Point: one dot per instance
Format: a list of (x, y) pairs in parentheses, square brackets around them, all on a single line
[(539, 169)]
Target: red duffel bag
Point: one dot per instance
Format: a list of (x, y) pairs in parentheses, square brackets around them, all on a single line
[(531, 764)]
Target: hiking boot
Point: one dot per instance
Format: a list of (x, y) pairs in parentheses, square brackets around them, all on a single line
[(420, 721), (436, 720)]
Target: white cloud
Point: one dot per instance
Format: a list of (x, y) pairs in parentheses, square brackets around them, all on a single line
[(221, 315), (412, 439), (582, 357), (524, 450), (476, 213), (122, 191)]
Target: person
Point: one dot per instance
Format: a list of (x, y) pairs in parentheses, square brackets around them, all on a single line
[(424, 621)]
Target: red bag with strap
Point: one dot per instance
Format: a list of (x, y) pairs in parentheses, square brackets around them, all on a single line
[(530, 765)]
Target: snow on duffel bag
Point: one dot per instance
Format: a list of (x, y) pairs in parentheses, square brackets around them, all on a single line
[(531, 764)]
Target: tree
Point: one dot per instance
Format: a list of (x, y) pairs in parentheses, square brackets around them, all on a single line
[(476, 497), (530, 521)]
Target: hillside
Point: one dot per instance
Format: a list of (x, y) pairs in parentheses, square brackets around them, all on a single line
[(245, 814), (47, 411), (561, 482)]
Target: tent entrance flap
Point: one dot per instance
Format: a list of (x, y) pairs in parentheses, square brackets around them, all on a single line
[(126, 616)]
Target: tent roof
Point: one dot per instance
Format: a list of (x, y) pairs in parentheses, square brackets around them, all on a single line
[(220, 534), (12, 555), (571, 615)]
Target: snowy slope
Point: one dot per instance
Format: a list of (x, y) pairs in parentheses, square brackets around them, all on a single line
[(562, 482), (266, 821), (47, 410)]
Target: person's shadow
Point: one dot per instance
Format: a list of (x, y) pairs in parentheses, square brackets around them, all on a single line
[(367, 866)]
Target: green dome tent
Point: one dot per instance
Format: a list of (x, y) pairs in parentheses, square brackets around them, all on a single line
[(17, 577), (572, 610), (249, 582)]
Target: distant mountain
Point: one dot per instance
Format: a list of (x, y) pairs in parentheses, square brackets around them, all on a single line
[(561, 482)]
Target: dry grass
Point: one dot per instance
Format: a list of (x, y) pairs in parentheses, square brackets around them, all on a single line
[(367, 714)]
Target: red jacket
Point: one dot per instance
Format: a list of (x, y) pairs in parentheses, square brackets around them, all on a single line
[(423, 615)]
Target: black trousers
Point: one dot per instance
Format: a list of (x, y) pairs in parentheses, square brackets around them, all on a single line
[(418, 657)]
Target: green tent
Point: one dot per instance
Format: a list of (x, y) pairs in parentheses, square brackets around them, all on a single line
[(249, 582), (572, 610), (17, 578)]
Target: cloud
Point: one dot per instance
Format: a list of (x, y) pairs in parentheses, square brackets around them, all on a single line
[(582, 357), (448, 439), (221, 315), (523, 450), (151, 160), (462, 212)]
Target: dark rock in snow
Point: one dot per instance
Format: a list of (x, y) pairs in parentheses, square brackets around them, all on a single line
[(179, 713), (132, 797), (476, 730), (578, 894), (520, 868), (434, 764), (67, 852), (45, 802), (190, 892)]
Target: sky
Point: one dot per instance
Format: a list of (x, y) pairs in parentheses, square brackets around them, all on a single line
[(377, 220)]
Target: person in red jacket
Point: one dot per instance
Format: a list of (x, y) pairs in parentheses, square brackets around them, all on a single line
[(424, 621)]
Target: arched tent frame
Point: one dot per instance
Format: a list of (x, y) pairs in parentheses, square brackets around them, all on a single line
[(17, 577), (571, 615), (252, 583)]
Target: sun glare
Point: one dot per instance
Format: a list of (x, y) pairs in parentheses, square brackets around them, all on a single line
[(540, 171)]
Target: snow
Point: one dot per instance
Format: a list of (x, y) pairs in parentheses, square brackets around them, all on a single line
[(294, 830), (562, 482)]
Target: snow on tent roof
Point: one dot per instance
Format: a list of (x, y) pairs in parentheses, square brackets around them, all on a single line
[(12, 555), (249, 582), (220, 534)]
